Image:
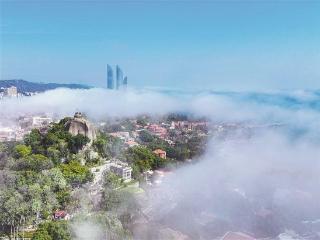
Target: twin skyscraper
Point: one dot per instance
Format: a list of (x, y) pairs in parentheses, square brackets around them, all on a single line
[(119, 82)]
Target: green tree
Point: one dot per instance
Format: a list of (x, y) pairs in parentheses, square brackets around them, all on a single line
[(100, 145), (75, 173), (57, 180), (146, 136), (63, 197), (142, 159), (21, 151), (34, 139), (77, 142), (50, 139), (54, 154), (13, 211), (179, 152), (142, 121), (112, 181), (57, 230), (34, 162), (41, 235)]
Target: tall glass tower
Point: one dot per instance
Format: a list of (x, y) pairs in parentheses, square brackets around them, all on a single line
[(119, 77), (110, 82), (125, 82)]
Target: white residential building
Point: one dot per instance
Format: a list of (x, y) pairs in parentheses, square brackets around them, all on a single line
[(122, 170)]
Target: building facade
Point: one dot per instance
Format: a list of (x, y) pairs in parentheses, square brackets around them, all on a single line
[(125, 82), (121, 170), (119, 76), (160, 153), (110, 80), (116, 81)]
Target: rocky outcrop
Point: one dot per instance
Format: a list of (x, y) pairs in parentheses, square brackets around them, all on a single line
[(79, 125)]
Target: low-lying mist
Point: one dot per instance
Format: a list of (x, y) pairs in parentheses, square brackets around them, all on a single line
[(96, 103), (263, 183)]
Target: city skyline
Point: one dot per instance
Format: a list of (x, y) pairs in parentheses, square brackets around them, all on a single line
[(117, 83)]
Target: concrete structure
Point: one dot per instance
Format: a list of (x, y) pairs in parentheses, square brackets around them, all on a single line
[(160, 153), (122, 170), (79, 125)]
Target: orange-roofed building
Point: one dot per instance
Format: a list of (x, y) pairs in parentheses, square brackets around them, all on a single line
[(160, 153), (61, 215)]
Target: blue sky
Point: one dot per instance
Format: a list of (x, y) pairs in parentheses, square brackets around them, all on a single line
[(218, 45)]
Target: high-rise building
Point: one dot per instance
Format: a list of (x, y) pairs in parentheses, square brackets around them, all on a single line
[(119, 77), (125, 82), (110, 81), (119, 82)]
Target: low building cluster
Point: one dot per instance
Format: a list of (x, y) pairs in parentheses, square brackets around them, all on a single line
[(22, 126), (8, 134), (129, 140), (187, 125), (158, 130), (9, 92)]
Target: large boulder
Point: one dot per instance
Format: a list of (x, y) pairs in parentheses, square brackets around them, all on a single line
[(79, 125)]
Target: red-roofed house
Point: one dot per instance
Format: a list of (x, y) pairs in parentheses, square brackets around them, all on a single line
[(61, 215), (157, 130), (160, 153)]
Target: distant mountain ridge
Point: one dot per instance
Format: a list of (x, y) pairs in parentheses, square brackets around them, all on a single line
[(26, 86)]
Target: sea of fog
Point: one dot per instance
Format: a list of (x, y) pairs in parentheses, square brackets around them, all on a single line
[(263, 185)]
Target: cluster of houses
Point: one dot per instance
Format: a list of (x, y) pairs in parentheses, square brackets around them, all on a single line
[(158, 130), (22, 126), (126, 137), (9, 92), (161, 130)]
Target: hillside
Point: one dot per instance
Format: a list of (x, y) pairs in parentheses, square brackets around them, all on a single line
[(25, 86)]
